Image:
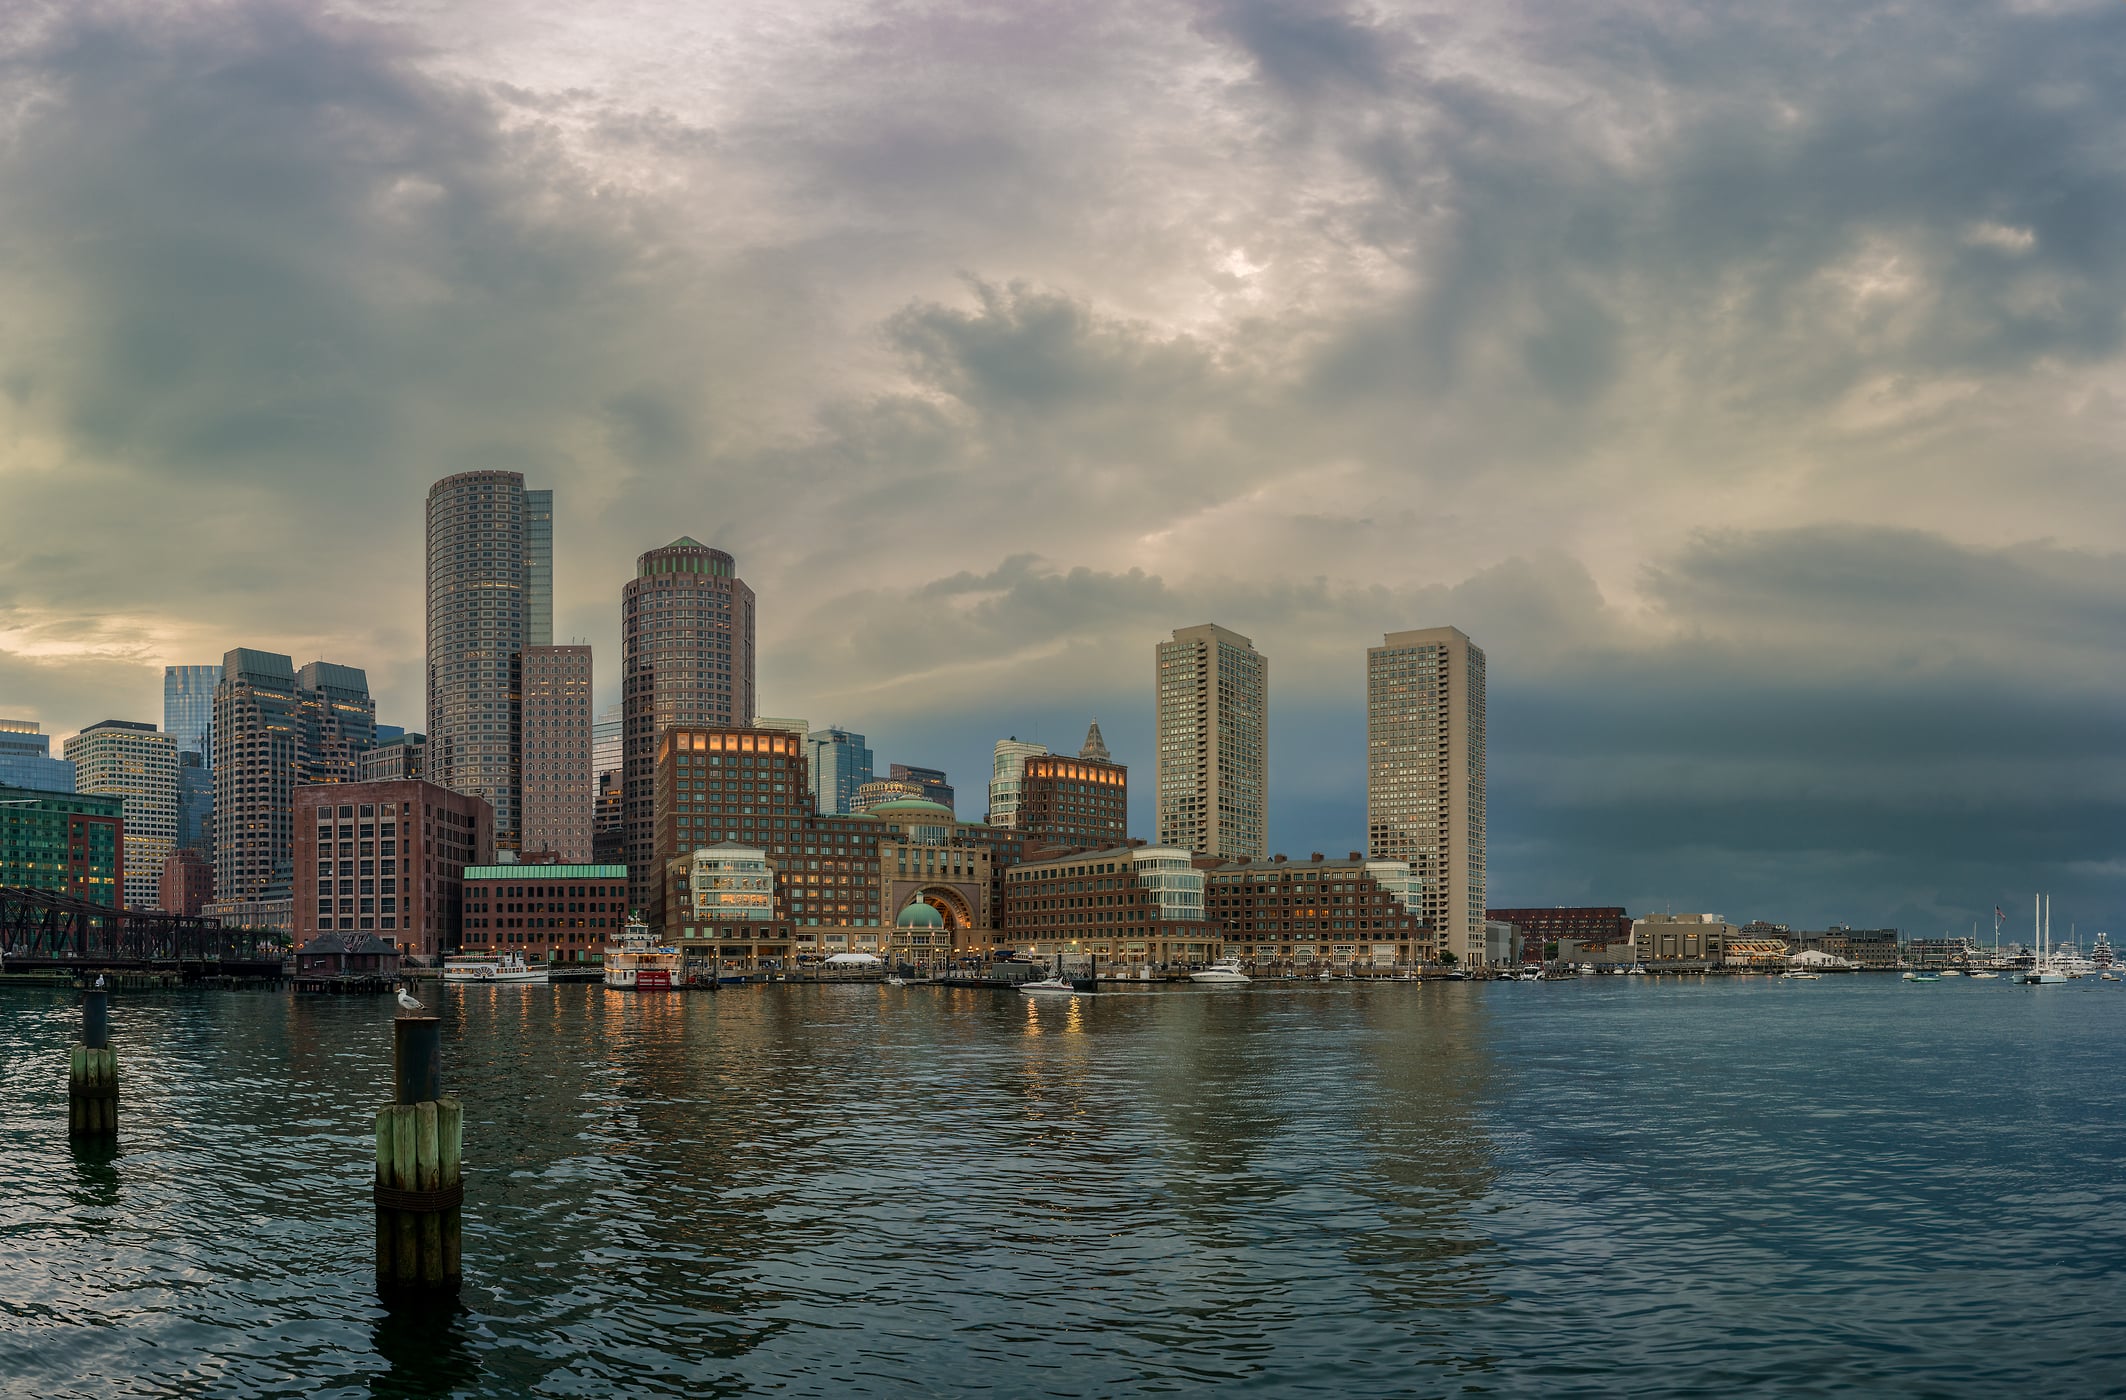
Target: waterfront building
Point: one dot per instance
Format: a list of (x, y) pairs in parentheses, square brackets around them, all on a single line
[(1211, 781), (1007, 767), (869, 795), (1874, 949), (1539, 928), (387, 857), (64, 842), (1127, 907), (838, 763), (932, 782), (725, 912), (1425, 780), (1950, 951), (188, 708), (186, 885), (841, 880), (489, 596), (712, 784), (1081, 803), (686, 636), (272, 733), (556, 751), (26, 759), (1358, 911), (138, 764), (558, 913), (273, 910), (396, 759), (1694, 938)]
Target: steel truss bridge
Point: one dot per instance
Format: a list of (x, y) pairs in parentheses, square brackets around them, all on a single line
[(44, 929)]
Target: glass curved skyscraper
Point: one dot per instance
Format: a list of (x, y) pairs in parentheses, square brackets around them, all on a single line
[(490, 595)]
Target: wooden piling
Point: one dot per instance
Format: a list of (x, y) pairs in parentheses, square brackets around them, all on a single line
[(420, 1153), (92, 1072)]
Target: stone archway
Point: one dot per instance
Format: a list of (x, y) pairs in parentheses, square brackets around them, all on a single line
[(949, 903)]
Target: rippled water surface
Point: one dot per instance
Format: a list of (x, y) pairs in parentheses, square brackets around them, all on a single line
[(1602, 1187)]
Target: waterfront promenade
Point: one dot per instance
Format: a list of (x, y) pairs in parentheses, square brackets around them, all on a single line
[(1618, 1185)]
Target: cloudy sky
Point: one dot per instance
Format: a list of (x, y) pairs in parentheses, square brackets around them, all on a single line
[(1747, 379)]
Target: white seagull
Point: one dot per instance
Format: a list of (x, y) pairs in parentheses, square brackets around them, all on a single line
[(99, 979), (406, 1001)]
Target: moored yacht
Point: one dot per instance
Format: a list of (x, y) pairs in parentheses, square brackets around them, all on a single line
[(1224, 972), (492, 968)]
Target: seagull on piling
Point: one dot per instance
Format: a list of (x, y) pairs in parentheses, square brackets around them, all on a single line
[(99, 979), (406, 1001)]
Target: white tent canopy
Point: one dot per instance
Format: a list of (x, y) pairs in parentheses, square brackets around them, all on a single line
[(1816, 957), (852, 960)]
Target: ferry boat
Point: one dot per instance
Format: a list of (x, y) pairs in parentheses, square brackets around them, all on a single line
[(492, 967), (636, 964)]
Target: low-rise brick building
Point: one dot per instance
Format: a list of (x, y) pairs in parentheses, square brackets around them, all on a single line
[(387, 858)]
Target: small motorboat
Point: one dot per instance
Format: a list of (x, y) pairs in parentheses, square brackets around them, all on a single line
[(894, 979), (1799, 975), (1048, 987), (1224, 972)]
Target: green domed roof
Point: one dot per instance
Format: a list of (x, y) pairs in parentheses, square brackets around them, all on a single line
[(909, 807), (921, 915)]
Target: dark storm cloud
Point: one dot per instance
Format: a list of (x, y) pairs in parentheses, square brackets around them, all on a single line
[(1743, 377)]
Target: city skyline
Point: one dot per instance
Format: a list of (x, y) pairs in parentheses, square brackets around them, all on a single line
[(1774, 497)]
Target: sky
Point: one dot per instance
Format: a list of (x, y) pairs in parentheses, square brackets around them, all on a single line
[(1747, 380)]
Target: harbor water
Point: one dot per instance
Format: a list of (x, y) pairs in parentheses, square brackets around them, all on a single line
[(1650, 1186)]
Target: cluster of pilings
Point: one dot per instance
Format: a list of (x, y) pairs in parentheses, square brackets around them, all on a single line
[(420, 1147)]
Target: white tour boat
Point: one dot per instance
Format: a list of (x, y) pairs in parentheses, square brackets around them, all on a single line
[(1224, 972), (637, 964), (491, 968)]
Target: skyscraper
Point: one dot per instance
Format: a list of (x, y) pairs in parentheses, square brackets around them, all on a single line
[(1007, 766), (275, 730), (555, 754), (136, 763), (1212, 781), (686, 657), (26, 759), (936, 787), (188, 708), (490, 595), (195, 804), (1425, 774), (838, 763)]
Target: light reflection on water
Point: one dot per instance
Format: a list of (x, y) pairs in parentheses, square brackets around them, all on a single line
[(1704, 1188)]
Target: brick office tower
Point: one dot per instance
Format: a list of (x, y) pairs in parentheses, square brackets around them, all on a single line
[(686, 658), (490, 595), (387, 857), (1081, 802), (554, 754), (1425, 774), (1212, 778)]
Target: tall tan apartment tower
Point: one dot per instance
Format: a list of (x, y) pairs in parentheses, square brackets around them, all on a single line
[(1425, 774), (1213, 775), (490, 595), (554, 753)]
